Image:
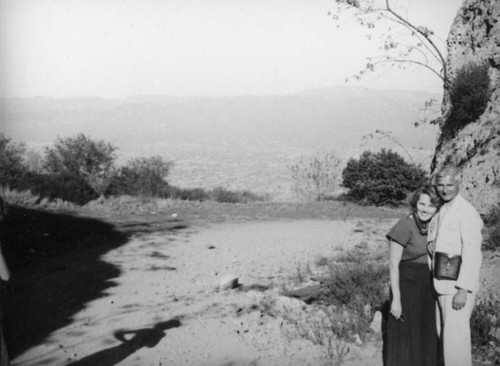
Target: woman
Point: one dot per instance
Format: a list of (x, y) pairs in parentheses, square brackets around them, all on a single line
[(411, 326), (4, 276)]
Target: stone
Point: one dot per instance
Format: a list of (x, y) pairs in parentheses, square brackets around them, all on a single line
[(228, 282), (308, 294), (376, 324), (367, 310), (357, 340), (288, 305)]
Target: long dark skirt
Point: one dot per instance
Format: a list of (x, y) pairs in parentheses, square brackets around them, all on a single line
[(4, 357), (412, 340)]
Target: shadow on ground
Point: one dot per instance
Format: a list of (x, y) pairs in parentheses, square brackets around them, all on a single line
[(56, 269), (131, 341)]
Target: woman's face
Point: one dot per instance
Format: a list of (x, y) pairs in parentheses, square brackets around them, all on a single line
[(425, 208)]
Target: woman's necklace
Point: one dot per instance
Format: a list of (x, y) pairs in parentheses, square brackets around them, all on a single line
[(422, 226)]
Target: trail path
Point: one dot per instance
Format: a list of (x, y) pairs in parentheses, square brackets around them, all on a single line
[(165, 308)]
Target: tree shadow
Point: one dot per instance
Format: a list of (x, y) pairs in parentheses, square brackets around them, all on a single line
[(55, 260), (146, 337)]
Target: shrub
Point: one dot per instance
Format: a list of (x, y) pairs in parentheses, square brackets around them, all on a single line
[(11, 158), (80, 157), (223, 195), (358, 285), (485, 324), (469, 95), (19, 198), (28, 199), (492, 228), (382, 178), (142, 177), (188, 194), (327, 329), (53, 187), (219, 194), (317, 177)]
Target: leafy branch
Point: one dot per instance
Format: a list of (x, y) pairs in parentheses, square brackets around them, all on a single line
[(422, 49)]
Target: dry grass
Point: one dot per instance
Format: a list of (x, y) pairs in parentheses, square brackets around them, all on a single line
[(28, 199), (222, 212), (120, 207)]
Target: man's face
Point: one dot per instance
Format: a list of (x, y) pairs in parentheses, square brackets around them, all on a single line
[(447, 188)]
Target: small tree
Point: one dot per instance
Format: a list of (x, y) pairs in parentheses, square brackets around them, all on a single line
[(82, 157), (317, 177), (11, 158), (144, 177), (382, 178)]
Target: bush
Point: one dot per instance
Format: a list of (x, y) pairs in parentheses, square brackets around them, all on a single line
[(142, 177), (223, 195), (382, 178), (53, 187), (492, 228), (328, 329), (358, 285), (188, 194), (317, 177), (11, 158), (219, 194), (485, 324), (469, 95)]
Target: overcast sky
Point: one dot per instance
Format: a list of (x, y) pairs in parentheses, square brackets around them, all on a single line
[(119, 48)]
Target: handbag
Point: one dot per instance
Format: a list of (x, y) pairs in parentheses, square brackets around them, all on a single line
[(446, 266)]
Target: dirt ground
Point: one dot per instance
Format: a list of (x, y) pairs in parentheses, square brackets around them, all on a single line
[(165, 305)]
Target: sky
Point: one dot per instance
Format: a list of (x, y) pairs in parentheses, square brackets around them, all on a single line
[(121, 48)]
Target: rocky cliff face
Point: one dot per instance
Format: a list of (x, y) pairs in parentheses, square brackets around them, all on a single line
[(474, 39)]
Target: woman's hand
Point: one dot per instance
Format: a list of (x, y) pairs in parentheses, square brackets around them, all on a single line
[(396, 309)]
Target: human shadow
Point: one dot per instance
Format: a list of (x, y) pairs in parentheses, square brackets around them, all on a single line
[(56, 265), (146, 337)]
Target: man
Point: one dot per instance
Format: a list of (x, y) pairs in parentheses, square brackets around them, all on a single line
[(456, 230)]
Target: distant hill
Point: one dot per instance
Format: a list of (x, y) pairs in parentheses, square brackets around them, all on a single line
[(227, 138)]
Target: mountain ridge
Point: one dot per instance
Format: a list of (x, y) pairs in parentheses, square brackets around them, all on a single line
[(309, 115)]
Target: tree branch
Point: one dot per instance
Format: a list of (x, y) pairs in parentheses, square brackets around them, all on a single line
[(411, 62), (419, 30)]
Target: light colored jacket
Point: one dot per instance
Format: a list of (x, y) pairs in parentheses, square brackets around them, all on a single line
[(456, 229)]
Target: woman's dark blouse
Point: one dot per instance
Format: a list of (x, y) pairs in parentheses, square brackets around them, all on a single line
[(406, 233)]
